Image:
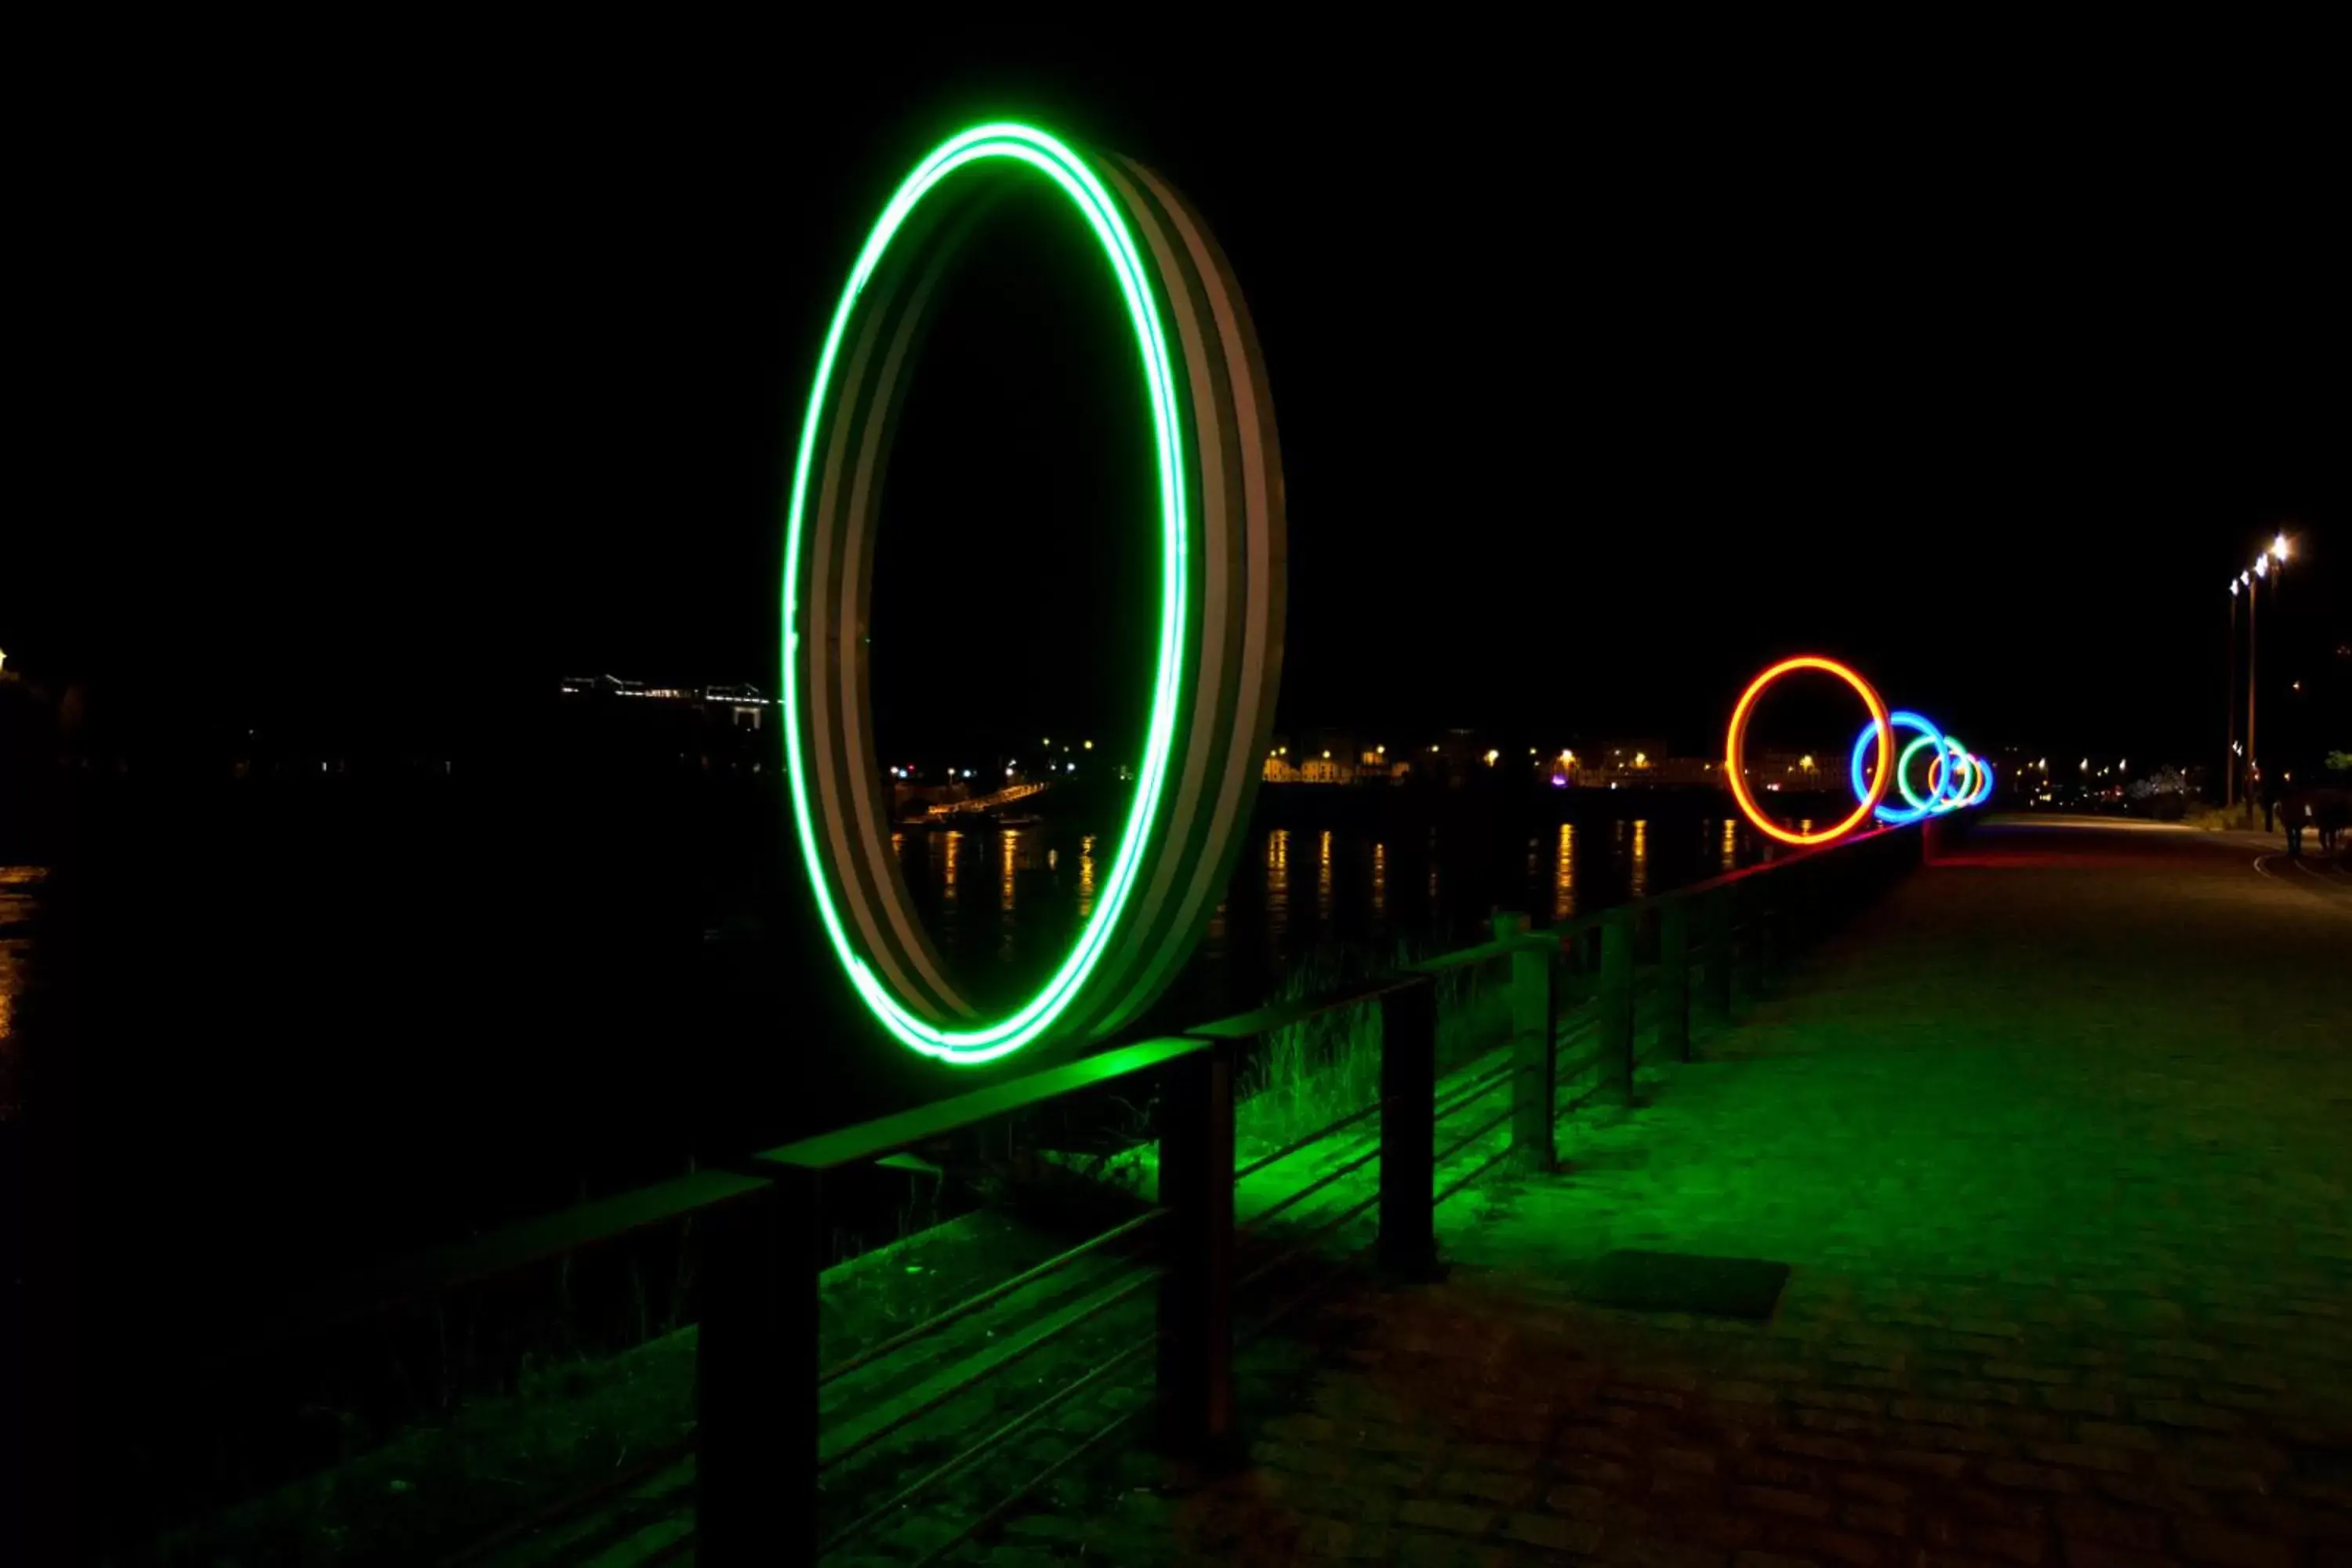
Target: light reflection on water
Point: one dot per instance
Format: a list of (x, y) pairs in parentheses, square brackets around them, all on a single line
[(1278, 892), (18, 885), (1563, 881), (1368, 894), (1323, 880)]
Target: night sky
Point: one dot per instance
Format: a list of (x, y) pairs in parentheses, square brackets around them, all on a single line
[(424, 379)]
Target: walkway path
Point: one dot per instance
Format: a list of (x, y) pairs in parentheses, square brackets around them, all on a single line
[(2059, 1144)]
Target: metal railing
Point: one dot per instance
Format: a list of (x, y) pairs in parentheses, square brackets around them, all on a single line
[(762, 1445)]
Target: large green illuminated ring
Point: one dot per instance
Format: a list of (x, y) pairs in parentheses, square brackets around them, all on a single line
[(1217, 504)]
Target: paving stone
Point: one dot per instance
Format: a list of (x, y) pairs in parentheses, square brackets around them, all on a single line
[(1581, 1502), (1874, 1518), (1782, 1500), (1456, 1518), (1552, 1532), (1514, 1489), (2206, 1541), (2085, 1456)]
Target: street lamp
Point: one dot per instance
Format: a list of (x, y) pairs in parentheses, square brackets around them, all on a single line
[(2278, 550), (2230, 702)]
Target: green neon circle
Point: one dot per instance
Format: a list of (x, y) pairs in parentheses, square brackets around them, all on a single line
[(1902, 769), (1068, 172)]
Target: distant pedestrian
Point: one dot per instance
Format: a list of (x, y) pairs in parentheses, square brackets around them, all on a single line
[(2270, 805), (2295, 811), (2326, 809)]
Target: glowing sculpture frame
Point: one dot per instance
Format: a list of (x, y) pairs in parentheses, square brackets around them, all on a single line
[(1902, 717), (1733, 763), (1218, 498), (1957, 778)]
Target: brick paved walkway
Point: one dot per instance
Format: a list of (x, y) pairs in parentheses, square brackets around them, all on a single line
[(2059, 1144)]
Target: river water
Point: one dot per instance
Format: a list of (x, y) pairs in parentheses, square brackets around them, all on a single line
[(312, 1027), (1003, 903)]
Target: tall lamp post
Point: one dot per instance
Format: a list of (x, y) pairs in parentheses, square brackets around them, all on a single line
[(2274, 556), (2230, 702), (2253, 646)]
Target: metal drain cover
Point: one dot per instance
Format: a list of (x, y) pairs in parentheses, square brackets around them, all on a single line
[(1685, 1282)]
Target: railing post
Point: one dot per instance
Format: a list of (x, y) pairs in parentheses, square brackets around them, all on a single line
[(1771, 940), (1718, 953), (1408, 1242), (1809, 901), (1534, 1077), (1196, 1293), (756, 1376), (1617, 998), (1674, 979)]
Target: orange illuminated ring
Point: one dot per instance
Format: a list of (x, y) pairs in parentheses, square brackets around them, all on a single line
[(1970, 771), (1735, 743)]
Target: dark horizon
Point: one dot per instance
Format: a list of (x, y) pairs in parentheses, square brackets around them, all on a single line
[(430, 410)]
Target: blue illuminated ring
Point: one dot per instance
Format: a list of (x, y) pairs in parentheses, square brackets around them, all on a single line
[(1966, 780), (1984, 782), (1896, 816), (1956, 757)]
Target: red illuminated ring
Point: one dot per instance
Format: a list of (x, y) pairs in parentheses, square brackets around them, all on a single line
[(1736, 743)]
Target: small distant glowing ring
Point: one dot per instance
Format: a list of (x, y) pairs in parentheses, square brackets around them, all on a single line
[(1958, 782), (1938, 777), (1957, 778), (1964, 793), (1902, 717), (1218, 531), (1735, 746)]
